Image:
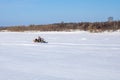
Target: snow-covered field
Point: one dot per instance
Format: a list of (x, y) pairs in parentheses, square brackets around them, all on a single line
[(66, 56)]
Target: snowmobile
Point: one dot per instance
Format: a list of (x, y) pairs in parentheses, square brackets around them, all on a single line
[(39, 40)]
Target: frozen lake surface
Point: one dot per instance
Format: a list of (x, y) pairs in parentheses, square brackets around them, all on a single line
[(66, 56)]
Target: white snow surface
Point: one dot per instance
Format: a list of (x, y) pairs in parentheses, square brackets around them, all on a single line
[(66, 56)]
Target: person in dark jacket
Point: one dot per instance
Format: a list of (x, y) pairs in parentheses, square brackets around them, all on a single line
[(39, 39)]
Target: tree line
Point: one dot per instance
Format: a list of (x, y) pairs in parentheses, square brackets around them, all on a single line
[(85, 26)]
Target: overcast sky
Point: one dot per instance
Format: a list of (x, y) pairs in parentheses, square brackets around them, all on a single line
[(25, 12)]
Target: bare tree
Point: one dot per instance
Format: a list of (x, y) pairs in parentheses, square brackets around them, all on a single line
[(110, 19)]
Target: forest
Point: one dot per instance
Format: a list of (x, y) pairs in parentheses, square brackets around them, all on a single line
[(80, 26)]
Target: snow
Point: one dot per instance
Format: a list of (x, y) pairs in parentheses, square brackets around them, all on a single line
[(66, 56)]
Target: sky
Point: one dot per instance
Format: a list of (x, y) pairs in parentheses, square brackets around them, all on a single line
[(26, 12)]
